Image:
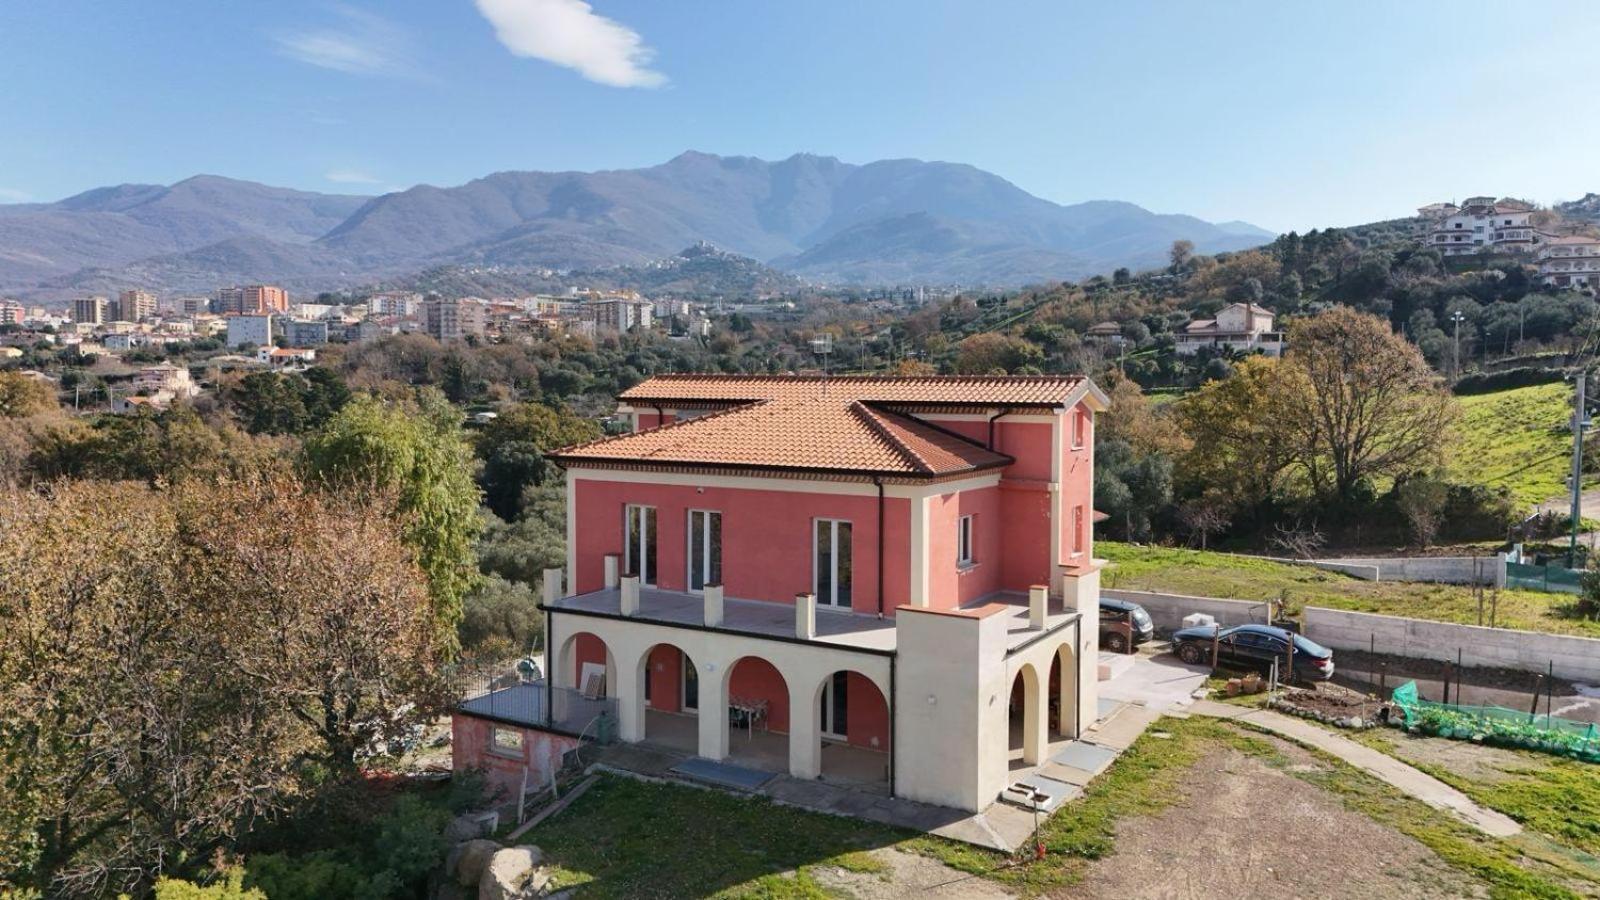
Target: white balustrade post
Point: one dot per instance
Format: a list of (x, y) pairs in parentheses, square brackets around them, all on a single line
[(630, 595), (1038, 606), (613, 565), (805, 616), (713, 605)]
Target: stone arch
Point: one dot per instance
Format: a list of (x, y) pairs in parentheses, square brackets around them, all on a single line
[(853, 731), (581, 650), (666, 696), (749, 681), (1025, 732), (1064, 675)]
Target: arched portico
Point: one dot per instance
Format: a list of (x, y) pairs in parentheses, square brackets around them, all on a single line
[(853, 729)]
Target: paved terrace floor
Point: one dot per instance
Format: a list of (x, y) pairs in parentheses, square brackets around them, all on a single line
[(765, 618)]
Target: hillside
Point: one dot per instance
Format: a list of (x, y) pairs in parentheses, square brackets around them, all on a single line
[(812, 216), (1517, 439)]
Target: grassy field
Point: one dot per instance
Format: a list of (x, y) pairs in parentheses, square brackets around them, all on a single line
[(1516, 438), (1208, 574)]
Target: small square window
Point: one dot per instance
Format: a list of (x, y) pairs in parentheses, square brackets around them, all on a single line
[(964, 554), (507, 740)]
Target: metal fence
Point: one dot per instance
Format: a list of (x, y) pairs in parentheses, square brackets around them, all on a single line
[(511, 698), (1544, 578)]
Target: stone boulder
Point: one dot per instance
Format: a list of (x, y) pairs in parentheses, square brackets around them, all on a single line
[(471, 825), (467, 861), (513, 873)]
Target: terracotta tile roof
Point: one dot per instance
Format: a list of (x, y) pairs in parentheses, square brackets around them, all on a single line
[(943, 390), (806, 431)]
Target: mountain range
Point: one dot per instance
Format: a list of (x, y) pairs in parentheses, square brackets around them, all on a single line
[(811, 216)]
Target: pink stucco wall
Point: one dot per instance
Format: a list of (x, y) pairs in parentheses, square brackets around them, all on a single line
[(766, 538), (949, 584), (471, 747), (1077, 483)]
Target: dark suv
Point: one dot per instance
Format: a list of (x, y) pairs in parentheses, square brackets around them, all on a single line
[(1123, 625)]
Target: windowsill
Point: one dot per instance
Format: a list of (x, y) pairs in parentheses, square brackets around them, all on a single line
[(504, 753), (964, 568)]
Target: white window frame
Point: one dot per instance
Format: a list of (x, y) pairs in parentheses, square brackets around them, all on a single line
[(640, 567), (702, 565), (831, 602), (966, 541), (1077, 429)]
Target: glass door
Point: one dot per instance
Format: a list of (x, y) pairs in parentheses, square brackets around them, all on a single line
[(835, 712), (639, 543), (831, 570), (705, 548)]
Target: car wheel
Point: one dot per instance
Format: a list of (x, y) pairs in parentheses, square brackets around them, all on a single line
[(1116, 643), (1189, 653)]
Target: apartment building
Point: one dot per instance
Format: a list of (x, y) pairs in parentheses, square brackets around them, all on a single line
[(249, 329), (1479, 224), (135, 306), (1571, 261), (454, 320), (90, 310), (621, 313), (255, 299)]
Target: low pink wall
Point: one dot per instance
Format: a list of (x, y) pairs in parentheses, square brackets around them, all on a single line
[(472, 747)]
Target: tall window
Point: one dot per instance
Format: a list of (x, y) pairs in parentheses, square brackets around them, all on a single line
[(705, 548), (639, 543), (1077, 429), (835, 706), (964, 555), (832, 569), (1077, 530)]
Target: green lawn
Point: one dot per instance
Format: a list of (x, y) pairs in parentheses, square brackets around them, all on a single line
[(1209, 574), (626, 838), (1501, 433)]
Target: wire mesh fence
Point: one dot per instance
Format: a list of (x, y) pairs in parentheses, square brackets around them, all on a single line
[(1499, 726)]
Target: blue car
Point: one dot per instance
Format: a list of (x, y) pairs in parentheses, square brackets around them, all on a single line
[(1254, 647)]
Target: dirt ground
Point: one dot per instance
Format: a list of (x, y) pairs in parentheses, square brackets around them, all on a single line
[(1246, 829), (909, 875)]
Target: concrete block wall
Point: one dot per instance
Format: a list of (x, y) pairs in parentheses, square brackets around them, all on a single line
[(1575, 658), (1167, 610), (1438, 569)]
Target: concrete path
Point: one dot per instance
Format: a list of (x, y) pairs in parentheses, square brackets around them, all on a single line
[(1154, 679), (1412, 781)]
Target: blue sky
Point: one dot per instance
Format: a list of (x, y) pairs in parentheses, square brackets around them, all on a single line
[(1283, 114)]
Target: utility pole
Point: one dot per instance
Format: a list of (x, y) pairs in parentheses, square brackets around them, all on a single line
[(1579, 420), (1456, 317)]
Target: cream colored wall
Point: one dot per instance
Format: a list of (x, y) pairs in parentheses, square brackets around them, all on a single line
[(803, 666), (1083, 593)]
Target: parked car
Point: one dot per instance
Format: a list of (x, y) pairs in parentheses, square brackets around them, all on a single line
[(1254, 647), (1121, 612)]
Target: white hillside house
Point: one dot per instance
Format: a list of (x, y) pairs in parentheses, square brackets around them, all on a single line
[(1572, 261), (1482, 223), (1238, 326)]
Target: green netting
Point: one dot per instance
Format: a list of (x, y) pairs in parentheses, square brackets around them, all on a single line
[(1499, 726), (1543, 578)]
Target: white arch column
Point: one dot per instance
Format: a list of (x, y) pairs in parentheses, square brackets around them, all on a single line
[(1067, 678), (713, 678), (1035, 717), (630, 661), (805, 737)]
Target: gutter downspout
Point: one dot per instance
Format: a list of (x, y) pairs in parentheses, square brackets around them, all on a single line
[(1003, 412), (894, 735), (661, 415), (878, 480), (1077, 676), (549, 670)]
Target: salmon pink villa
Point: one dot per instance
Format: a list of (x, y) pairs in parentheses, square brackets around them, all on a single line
[(885, 581)]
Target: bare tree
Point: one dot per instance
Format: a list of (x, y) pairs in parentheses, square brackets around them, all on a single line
[(1297, 541), (1203, 517)]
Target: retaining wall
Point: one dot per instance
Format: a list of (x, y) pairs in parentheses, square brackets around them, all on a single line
[(1574, 658), (1167, 610), (1439, 569)]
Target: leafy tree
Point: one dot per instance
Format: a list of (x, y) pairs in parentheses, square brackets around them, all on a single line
[(1181, 254), (269, 403), (1130, 487), (21, 396), (513, 447), (417, 460), (1240, 443), (1360, 402)]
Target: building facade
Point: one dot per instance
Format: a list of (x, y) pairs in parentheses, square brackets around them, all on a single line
[(250, 300), (1244, 327), (891, 576), (1480, 224), (249, 329), (1572, 261), (306, 334), (89, 310), (454, 320), (621, 313), (134, 306)]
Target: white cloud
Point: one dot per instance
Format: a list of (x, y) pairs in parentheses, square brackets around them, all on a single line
[(362, 44), (351, 176), (569, 33), (12, 195)]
